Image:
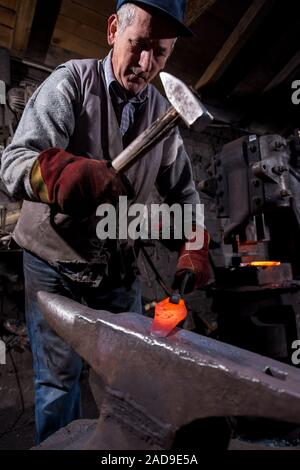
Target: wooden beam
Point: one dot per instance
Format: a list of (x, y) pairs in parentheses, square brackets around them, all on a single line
[(73, 43), (287, 70), (11, 4), (86, 16), (6, 36), (235, 42), (81, 30), (195, 9), (103, 7), (25, 14), (7, 17), (43, 25)]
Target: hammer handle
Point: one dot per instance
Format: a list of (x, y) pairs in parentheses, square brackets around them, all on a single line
[(145, 141)]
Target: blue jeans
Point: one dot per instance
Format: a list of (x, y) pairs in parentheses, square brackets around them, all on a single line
[(56, 365)]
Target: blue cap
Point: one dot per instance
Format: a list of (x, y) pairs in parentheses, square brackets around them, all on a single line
[(173, 9)]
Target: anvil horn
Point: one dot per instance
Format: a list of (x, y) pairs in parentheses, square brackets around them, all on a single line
[(77, 324)]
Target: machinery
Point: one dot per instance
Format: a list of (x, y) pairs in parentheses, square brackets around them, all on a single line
[(255, 183), (14, 94)]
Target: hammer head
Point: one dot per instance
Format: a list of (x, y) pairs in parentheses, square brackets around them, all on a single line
[(186, 102)]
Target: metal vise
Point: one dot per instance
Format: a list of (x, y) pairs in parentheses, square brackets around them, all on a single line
[(156, 387)]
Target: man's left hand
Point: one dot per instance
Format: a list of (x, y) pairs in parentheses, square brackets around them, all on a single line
[(195, 262)]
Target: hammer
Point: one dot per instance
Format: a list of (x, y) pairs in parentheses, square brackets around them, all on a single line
[(185, 105)]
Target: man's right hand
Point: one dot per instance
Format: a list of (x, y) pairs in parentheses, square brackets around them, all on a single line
[(75, 185)]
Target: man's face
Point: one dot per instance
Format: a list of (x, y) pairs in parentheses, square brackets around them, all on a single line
[(141, 50)]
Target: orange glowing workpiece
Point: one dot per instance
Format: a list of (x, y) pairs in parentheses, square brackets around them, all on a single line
[(264, 264), (167, 316)]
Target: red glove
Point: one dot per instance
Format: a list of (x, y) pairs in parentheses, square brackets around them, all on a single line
[(194, 261), (75, 185)]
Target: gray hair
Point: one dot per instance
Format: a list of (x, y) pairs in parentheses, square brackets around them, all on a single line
[(126, 15)]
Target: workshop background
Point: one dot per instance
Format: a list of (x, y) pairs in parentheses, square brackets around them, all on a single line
[(244, 61)]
